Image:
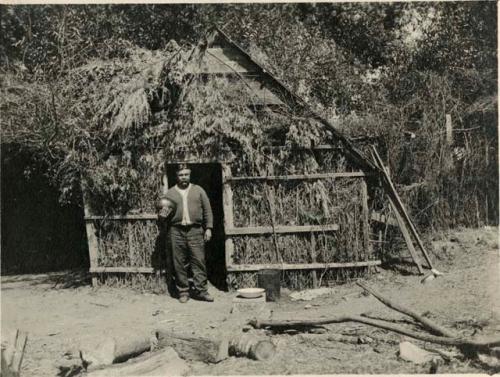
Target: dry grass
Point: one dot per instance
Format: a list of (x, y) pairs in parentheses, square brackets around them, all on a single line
[(126, 243), (155, 283), (330, 201)]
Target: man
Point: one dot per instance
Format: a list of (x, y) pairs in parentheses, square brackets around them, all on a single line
[(190, 227)]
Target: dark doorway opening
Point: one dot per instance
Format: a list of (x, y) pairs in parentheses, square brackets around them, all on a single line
[(39, 234), (209, 177)]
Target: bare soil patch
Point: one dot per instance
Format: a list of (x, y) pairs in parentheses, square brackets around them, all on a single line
[(61, 310)]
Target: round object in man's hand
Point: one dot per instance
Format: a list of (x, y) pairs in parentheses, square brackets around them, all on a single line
[(164, 212), (166, 207)]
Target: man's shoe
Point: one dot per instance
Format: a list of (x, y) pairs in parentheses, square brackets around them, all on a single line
[(205, 296), (183, 299)]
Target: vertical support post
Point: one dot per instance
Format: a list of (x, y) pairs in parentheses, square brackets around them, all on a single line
[(486, 164), (91, 236), (449, 130), (314, 274), (130, 241), (366, 218), (227, 202), (271, 200)]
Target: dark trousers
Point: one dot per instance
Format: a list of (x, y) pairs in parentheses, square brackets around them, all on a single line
[(188, 249)]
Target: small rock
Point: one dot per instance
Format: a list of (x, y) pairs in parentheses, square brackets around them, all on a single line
[(410, 352), (491, 360), (428, 279), (308, 306), (365, 340), (434, 367)]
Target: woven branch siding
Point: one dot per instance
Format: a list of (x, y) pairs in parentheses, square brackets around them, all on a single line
[(301, 203), (320, 202), (136, 243), (126, 243)]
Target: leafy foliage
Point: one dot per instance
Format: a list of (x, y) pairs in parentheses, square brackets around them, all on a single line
[(93, 90)]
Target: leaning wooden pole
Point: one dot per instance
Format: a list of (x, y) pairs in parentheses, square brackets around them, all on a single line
[(391, 191), (402, 226), (438, 329)]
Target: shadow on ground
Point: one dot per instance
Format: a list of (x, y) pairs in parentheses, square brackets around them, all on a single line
[(54, 280)]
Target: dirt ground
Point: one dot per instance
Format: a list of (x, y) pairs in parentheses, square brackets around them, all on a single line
[(60, 311)]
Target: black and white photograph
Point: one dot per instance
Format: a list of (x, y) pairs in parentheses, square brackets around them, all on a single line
[(193, 189)]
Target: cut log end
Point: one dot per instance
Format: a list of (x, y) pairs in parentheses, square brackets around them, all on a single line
[(263, 350), (253, 347)]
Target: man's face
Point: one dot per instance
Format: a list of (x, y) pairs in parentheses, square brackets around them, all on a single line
[(183, 178)]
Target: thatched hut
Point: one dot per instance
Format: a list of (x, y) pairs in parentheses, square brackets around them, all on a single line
[(288, 190)]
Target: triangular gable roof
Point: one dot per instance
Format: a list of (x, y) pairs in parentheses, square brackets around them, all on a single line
[(364, 163), (215, 36)]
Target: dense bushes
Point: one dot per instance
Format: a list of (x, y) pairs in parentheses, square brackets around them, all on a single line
[(80, 82)]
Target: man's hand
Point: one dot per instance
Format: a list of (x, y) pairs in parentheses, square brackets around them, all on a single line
[(164, 212), (208, 235)]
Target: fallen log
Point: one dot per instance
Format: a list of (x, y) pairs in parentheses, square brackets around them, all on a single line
[(164, 363), (194, 348), (115, 349), (253, 347), (463, 343), (431, 325)]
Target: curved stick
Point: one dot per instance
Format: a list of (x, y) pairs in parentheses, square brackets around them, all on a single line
[(402, 309), (458, 342)]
